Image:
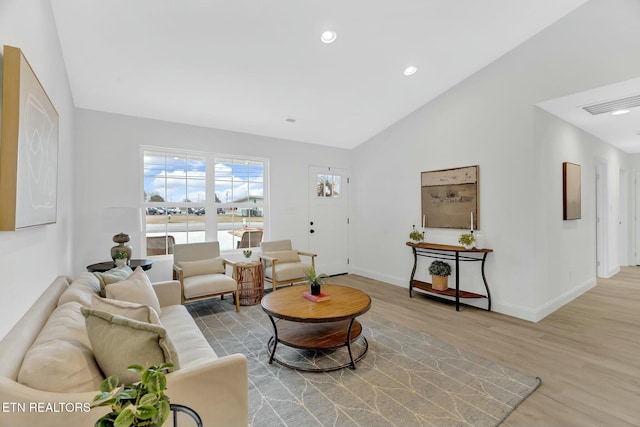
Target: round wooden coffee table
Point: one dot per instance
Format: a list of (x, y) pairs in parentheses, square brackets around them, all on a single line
[(309, 325)]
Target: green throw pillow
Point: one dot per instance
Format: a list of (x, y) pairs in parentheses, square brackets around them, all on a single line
[(119, 342)]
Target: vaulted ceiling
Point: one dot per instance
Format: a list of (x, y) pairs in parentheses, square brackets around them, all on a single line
[(260, 66)]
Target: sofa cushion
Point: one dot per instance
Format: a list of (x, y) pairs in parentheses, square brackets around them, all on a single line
[(61, 358), (131, 310), (136, 288), (119, 342), (203, 266), (81, 290), (283, 256), (190, 344), (112, 276), (209, 284)]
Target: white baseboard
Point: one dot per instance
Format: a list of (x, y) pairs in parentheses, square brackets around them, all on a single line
[(524, 313), (393, 280), (539, 313), (613, 271)]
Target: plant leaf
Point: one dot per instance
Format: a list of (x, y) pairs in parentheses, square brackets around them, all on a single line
[(146, 412), (148, 399), (163, 412), (125, 419), (109, 384)]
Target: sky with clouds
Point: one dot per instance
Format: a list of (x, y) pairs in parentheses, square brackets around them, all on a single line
[(176, 178)]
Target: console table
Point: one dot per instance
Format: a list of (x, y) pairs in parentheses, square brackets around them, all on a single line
[(449, 252)]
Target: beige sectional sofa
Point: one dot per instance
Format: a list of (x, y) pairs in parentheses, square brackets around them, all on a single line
[(59, 379)]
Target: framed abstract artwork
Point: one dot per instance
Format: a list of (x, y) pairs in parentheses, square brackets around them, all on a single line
[(28, 147), (571, 191), (450, 198)]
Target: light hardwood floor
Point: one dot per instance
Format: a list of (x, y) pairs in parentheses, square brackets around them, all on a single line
[(587, 353)]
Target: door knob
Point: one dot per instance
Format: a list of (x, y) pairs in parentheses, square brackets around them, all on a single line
[(312, 231), (311, 223)]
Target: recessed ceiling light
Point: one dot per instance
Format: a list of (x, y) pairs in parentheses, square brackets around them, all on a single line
[(290, 119), (328, 36), (619, 112), (411, 70)]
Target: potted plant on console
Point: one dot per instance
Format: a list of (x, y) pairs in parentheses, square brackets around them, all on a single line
[(440, 272), (467, 240)]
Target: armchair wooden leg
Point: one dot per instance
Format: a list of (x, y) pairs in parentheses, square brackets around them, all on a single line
[(237, 295)]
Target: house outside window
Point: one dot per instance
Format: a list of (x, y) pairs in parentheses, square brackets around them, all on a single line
[(181, 191)]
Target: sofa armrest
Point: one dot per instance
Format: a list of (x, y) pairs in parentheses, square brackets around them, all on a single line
[(168, 292), (217, 390)]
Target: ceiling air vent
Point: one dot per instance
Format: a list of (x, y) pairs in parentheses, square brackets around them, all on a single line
[(610, 106)]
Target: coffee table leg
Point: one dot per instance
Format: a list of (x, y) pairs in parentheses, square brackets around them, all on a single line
[(274, 339), (353, 364)]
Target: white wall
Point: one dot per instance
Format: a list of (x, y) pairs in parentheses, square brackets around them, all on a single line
[(108, 165), (567, 258), (491, 120), (32, 258)]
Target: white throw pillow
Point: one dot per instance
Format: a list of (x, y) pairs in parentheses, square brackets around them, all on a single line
[(61, 359), (112, 276), (136, 288), (131, 310), (81, 290), (203, 266)]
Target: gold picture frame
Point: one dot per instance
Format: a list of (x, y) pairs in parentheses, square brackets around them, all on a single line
[(28, 147), (450, 198)]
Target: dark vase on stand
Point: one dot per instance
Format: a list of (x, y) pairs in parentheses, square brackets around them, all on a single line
[(315, 289)]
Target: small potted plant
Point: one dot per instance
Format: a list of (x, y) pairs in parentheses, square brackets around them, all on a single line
[(315, 281), (439, 271), (415, 235), (247, 253), (122, 259), (140, 404), (467, 240)]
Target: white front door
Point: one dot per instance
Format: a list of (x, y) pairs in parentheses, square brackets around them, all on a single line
[(328, 225)]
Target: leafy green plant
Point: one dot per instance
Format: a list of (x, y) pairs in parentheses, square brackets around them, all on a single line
[(136, 405), (122, 255), (315, 281), (439, 268), (466, 239), (415, 235), (247, 253)]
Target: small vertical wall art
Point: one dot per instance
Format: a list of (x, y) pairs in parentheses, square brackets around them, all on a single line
[(28, 148), (571, 188)]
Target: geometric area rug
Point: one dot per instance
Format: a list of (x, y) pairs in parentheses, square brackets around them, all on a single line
[(406, 378)]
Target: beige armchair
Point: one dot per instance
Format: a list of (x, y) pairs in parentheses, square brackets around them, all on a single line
[(202, 272), (282, 264)]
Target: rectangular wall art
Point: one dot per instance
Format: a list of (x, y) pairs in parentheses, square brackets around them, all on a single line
[(28, 147), (571, 196), (450, 198)]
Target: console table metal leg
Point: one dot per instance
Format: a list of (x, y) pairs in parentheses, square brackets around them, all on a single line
[(486, 286), (273, 339), (457, 281), (413, 272)]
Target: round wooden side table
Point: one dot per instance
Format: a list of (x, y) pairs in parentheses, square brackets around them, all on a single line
[(250, 282)]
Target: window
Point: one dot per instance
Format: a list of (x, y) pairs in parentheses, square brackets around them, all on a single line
[(328, 185), (175, 190), (240, 203)]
